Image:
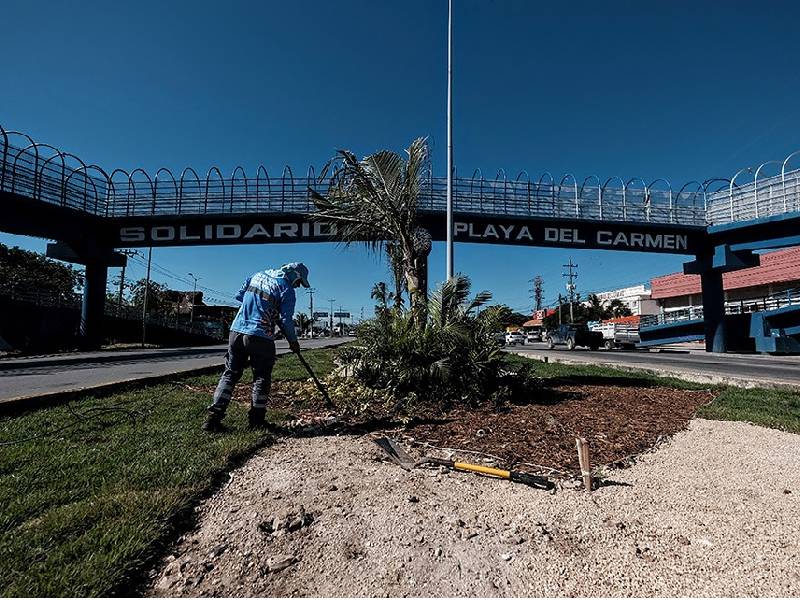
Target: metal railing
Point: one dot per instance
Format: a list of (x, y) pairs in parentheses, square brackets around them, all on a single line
[(733, 307), (50, 299), (42, 172)]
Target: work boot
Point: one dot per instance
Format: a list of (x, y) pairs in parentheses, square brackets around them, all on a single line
[(213, 422), (256, 418)]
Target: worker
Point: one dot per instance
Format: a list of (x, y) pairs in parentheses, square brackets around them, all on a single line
[(268, 299)]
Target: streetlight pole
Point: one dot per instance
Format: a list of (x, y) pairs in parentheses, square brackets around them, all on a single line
[(330, 317), (449, 139), (194, 296)]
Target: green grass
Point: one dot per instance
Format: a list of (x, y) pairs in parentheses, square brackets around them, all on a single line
[(84, 510), (778, 409)]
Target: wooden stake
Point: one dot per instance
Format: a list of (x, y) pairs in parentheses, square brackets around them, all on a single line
[(583, 459)]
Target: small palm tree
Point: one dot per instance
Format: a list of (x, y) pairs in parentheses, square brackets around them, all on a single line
[(374, 201), (303, 322), (382, 296)]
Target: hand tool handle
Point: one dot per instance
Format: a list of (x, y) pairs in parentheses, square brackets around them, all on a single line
[(515, 476)]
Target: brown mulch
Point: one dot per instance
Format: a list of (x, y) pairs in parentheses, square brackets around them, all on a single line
[(617, 421)]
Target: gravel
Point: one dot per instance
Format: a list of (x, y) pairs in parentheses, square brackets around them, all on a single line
[(713, 512)]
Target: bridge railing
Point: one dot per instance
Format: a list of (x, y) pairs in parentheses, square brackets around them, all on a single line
[(789, 297), (43, 172)]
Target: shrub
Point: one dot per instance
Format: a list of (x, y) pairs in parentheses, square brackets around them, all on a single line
[(449, 357)]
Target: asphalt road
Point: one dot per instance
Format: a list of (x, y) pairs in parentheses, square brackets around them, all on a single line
[(40, 377), (747, 370)]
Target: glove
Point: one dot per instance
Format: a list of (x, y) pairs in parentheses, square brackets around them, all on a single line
[(294, 346)]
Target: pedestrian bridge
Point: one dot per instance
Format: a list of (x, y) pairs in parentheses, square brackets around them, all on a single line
[(50, 193)]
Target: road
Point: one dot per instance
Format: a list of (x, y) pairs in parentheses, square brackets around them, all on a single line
[(23, 378), (745, 370)]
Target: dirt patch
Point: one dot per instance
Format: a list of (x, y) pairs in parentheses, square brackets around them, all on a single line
[(712, 513), (617, 421)]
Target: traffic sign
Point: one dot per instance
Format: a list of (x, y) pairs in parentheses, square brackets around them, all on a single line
[(320, 315)]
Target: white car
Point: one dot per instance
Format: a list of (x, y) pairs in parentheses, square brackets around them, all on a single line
[(514, 337), (533, 336)]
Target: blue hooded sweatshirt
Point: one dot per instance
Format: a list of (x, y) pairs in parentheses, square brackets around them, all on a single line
[(265, 297)]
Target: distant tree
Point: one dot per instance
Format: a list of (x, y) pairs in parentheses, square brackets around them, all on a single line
[(26, 271), (382, 296), (618, 308), (303, 322), (157, 302), (507, 317)]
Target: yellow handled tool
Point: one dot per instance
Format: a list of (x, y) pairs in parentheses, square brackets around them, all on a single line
[(516, 476)]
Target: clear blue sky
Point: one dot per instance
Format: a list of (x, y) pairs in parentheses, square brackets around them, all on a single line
[(682, 90)]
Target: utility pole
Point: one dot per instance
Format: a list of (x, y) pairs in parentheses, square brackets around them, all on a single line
[(146, 291), (537, 292), (571, 276), (310, 292), (122, 279), (361, 318), (194, 296), (330, 317), (560, 302)]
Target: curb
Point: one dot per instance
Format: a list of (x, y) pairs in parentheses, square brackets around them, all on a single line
[(124, 355), (21, 404), (691, 376)]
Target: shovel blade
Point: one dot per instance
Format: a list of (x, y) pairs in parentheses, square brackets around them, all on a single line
[(396, 453)]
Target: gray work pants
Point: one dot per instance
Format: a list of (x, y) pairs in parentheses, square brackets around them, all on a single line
[(261, 353)]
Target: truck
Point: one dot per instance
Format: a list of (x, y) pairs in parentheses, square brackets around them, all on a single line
[(572, 336), (618, 335)]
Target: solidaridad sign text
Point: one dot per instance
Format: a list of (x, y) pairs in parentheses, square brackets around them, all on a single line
[(463, 230)]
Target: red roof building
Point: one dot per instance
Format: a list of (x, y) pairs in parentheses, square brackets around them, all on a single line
[(779, 271)]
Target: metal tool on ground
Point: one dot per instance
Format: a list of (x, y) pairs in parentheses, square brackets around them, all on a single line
[(321, 388), (400, 457)]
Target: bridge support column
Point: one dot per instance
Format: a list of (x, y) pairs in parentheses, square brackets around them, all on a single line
[(92, 310), (97, 261), (710, 267), (714, 310)]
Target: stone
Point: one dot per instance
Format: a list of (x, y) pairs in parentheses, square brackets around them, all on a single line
[(218, 550), (413, 499), (281, 562)]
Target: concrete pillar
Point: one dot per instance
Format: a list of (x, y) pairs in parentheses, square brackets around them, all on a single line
[(714, 310), (92, 310)]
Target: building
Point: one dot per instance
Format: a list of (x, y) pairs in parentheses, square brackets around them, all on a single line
[(637, 298), (748, 290)]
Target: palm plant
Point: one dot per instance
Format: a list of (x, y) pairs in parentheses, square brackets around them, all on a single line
[(303, 322), (374, 201), (453, 359)]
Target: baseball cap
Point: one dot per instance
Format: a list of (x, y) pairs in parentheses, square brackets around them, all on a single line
[(300, 270)]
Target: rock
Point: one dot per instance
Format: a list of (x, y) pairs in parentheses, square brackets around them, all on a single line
[(332, 488), (438, 552), (460, 522), (208, 566), (218, 550), (295, 524), (413, 499), (787, 491), (281, 562), (267, 526)]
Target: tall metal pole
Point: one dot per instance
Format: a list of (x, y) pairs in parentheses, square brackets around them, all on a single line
[(449, 139), (194, 297)]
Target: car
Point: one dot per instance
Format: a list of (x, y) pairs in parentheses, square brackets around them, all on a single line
[(515, 337), (500, 338), (573, 336), (533, 336)]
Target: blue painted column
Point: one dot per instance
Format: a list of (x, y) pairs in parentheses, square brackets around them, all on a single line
[(714, 310), (92, 310)]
